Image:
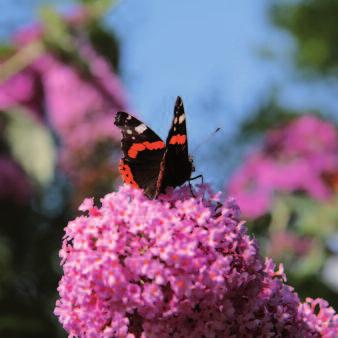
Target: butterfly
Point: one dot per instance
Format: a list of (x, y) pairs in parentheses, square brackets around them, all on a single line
[(149, 163)]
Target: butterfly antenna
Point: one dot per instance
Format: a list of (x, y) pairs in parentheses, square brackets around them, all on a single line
[(194, 151), (206, 140)]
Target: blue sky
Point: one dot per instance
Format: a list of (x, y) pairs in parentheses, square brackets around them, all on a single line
[(205, 51), (200, 50)]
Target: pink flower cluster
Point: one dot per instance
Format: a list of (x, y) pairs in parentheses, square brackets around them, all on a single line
[(294, 158), (175, 267)]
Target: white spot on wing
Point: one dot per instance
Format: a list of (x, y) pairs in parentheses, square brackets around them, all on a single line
[(129, 131), (129, 117), (181, 119), (141, 128)]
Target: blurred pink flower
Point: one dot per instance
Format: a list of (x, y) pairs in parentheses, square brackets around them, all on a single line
[(81, 110), (294, 158), (287, 243), (23, 89), (306, 135), (79, 106), (175, 267), (14, 185)]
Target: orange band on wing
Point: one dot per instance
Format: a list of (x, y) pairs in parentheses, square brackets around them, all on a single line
[(127, 175), (137, 147), (178, 139)]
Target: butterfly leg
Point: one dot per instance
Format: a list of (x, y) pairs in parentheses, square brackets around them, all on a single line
[(190, 187), (194, 178)]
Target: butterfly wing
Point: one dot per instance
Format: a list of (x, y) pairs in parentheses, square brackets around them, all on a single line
[(176, 166), (143, 152)]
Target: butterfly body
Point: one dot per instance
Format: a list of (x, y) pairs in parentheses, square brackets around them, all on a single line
[(148, 162)]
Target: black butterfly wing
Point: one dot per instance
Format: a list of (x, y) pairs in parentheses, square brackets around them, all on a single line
[(176, 166), (143, 152)]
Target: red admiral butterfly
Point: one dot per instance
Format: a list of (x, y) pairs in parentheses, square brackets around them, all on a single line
[(148, 162)]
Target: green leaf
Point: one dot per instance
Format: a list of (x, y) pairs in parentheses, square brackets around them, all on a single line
[(32, 145), (309, 264), (315, 218), (6, 50), (97, 8), (280, 215)]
